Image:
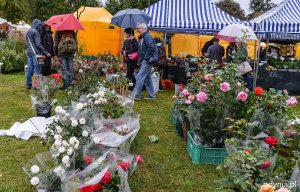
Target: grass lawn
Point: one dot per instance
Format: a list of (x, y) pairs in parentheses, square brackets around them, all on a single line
[(167, 166)]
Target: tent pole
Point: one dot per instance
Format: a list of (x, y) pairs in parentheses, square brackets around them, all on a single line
[(198, 47), (267, 48), (257, 65), (165, 38)]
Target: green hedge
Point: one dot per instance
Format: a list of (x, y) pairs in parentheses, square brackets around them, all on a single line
[(13, 55)]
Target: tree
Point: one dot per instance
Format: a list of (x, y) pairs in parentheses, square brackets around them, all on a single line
[(15, 10), (232, 8), (258, 7), (113, 6), (44, 9)]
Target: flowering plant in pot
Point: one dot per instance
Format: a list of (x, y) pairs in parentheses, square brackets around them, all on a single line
[(43, 93)]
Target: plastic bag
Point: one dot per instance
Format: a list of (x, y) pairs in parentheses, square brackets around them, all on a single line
[(155, 80)]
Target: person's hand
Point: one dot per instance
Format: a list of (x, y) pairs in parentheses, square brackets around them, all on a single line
[(48, 55)]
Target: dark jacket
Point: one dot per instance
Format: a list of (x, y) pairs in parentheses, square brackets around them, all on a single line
[(216, 52), (47, 40), (130, 46), (148, 49), (206, 46), (35, 38), (57, 37)]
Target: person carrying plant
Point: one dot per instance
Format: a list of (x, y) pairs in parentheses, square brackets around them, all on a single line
[(65, 46), (34, 50)]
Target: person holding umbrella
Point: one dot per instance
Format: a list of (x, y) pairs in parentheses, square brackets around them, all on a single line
[(65, 43), (130, 52), (148, 55)]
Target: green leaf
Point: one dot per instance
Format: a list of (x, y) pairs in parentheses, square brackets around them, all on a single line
[(153, 138)]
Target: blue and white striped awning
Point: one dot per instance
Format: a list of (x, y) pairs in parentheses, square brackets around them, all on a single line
[(283, 18), (189, 15)]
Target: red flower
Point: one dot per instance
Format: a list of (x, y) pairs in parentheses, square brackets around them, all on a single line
[(88, 160), (111, 71), (266, 164), (124, 165), (57, 77), (98, 187), (248, 151), (139, 159), (106, 178), (88, 188), (258, 91), (271, 141)]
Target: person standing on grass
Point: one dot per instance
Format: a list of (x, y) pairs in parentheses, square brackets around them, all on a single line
[(65, 46), (34, 48), (148, 55), (130, 46), (47, 41)]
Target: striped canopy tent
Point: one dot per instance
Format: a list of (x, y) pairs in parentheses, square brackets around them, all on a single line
[(189, 16), (284, 18)]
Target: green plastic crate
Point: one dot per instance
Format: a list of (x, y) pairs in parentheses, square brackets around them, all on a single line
[(204, 155)]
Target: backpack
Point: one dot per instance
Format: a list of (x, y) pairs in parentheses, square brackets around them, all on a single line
[(162, 57), (67, 44)]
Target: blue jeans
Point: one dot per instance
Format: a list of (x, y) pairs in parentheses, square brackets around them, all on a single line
[(67, 70), (144, 77), (33, 68)]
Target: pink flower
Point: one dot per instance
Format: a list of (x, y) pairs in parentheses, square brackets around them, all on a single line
[(139, 159), (185, 92), (289, 132), (208, 77), (282, 189), (238, 84), (188, 102), (201, 97), (225, 87), (242, 96), (292, 101), (247, 90)]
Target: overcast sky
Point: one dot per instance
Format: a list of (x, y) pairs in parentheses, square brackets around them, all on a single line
[(244, 3)]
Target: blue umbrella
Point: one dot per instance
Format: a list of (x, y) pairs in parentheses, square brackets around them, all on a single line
[(129, 18)]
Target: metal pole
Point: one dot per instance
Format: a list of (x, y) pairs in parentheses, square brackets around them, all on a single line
[(254, 65), (267, 48), (198, 47), (165, 38), (258, 58)]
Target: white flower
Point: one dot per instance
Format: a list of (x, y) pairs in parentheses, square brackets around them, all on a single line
[(54, 147), (101, 93), (66, 159), (35, 169), (97, 140), (61, 149), (67, 165), (73, 140), (34, 181), (90, 101), (89, 95), (74, 123), (80, 71), (85, 133), (58, 129), (95, 95), (76, 146), (57, 142), (130, 84), (82, 121), (57, 137), (97, 102), (59, 170), (79, 106), (70, 151), (58, 109), (85, 104), (104, 100), (67, 115), (65, 143)]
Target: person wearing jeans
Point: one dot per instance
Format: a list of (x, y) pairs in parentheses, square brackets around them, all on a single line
[(34, 47), (148, 55), (67, 70), (65, 45)]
